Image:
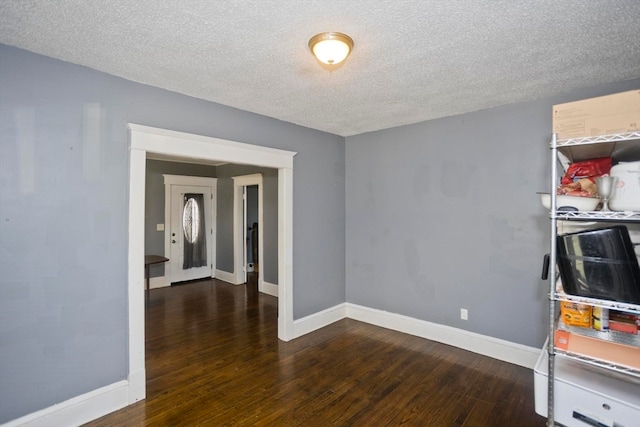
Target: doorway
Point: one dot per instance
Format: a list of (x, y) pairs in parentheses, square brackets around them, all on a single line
[(189, 245), (179, 145), (252, 228), (240, 209)]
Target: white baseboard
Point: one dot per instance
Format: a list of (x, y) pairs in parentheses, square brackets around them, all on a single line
[(507, 351), (318, 320), (225, 276), (137, 385), (92, 405), (80, 409), (158, 282), (269, 289)]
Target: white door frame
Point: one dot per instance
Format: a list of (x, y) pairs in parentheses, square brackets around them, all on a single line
[(196, 181), (239, 242), (204, 149)]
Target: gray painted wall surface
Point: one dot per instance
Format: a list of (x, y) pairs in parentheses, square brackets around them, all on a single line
[(270, 229), (63, 203), (224, 217), (444, 215), (154, 203)]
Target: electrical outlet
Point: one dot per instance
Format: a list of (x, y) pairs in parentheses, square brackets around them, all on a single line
[(464, 314)]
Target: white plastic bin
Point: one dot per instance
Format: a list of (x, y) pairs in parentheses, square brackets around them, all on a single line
[(582, 390)]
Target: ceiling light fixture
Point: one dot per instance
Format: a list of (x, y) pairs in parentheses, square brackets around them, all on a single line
[(331, 48)]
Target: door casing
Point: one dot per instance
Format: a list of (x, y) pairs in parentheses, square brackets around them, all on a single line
[(199, 149), (239, 265), (170, 181)]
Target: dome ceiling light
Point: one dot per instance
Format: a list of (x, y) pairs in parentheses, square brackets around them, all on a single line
[(331, 48)]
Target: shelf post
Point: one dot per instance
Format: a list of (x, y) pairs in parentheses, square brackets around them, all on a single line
[(552, 280)]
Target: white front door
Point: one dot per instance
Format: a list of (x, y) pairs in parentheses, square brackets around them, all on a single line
[(190, 242)]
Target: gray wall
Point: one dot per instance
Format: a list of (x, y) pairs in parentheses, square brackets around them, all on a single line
[(154, 203), (224, 219), (63, 204), (444, 215)]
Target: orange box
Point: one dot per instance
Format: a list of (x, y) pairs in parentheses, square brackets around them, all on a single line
[(620, 354), (575, 314), (562, 339), (604, 115), (628, 328)]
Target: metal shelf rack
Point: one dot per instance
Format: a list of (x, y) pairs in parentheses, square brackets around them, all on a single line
[(599, 363), (613, 305), (629, 216), (621, 147), (609, 335)]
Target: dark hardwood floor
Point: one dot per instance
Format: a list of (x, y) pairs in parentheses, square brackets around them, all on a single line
[(213, 359)]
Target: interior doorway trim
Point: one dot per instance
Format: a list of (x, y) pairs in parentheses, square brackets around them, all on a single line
[(203, 149), (194, 181), (239, 267)]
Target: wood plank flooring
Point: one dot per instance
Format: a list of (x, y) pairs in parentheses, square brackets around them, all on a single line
[(213, 359)]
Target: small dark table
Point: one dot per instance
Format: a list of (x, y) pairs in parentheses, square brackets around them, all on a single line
[(152, 259)]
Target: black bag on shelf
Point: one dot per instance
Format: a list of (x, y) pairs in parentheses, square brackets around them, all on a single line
[(600, 264)]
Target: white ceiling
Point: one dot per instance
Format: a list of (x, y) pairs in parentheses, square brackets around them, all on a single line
[(413, 60)]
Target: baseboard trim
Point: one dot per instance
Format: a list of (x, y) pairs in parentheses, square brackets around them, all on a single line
[(137, 385), (158, 282), (95, 404), (225, 276), (496, 348), (318, 320), (80, 409), (269, 289), (506, 351)]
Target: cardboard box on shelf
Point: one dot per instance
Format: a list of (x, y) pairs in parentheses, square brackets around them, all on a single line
[(621, 354), (627, 328), (604, 115), (624, 322), (625, 317), (600, 321), (574, 314)]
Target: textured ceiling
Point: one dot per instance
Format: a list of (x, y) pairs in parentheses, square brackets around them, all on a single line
[(412, 60)]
